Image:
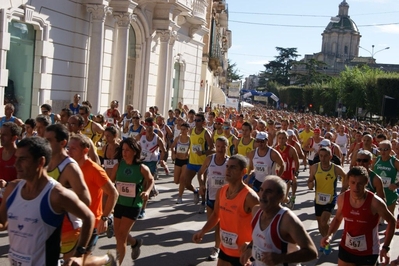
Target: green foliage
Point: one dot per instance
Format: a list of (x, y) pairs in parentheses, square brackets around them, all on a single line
[(279, 70), (232, 72), (312, 73)]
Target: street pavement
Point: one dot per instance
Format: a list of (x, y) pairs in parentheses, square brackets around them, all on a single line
[(168, 227)]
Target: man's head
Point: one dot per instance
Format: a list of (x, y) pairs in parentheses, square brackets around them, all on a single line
[(32, 155), (58, 136), (246, 129), (272, 192), (227, 127), (221, 145), (64, 115), (199, 119), (236, 168), (84, 111), (385, 148), (149, 125), (75, 123), (76, 98), (282, 137), (9, 134), (358, 177), (30, 125), (9, 109), (316, 132), (78, 147), (191, 114), (364, 158), (42, 121), (46, 109), (261, 139), (261, 125), (325, 155)]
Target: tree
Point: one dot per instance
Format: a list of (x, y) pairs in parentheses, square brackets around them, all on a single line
[(232, 72), (279, 70)]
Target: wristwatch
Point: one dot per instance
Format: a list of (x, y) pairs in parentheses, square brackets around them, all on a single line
[(387, 248), (81, 250), (104, 218)]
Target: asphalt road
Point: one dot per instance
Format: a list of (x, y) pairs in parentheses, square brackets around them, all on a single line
[(167, 230)]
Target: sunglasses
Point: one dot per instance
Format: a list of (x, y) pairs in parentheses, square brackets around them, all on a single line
[(385, 149), (198, 120), (218, 123), (135, 117), (260, 141), (362, 160), (226, 127), (149, 125)]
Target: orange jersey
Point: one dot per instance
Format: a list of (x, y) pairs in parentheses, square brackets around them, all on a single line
[(235, 223)]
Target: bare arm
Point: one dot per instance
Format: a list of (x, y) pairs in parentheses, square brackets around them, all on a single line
[(336, 222), (75, 179), (210, 143), (294, 156), (339, 171), (201, 176), (109, 189), (276, 157), (379, 188), (311, 179), (148, 179)]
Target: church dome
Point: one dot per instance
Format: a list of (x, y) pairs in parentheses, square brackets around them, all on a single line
[(342, 23)]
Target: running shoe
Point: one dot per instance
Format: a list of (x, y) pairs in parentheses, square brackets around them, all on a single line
[(327, 249), (214, 254), (111, 260), (202, 208), (136, 248), (110, 229), (179, 200), (142, 214), (196, 197)]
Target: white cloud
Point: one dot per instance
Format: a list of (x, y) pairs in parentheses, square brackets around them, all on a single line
[(389, 29)]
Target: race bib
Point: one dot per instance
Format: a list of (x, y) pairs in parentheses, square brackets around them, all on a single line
[(133, 134), (229, 240), (257, 254), (196, 148), (386, 181), (18, 259), (217, 182), (182, 149), (110, 163), (261, 168), (110, 120), (359, 242), (126, 189), (323, 199), (146, 156)]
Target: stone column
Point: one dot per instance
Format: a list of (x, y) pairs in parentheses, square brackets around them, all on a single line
[(169, 73), (161, 94), (94, 78), (120, 61)]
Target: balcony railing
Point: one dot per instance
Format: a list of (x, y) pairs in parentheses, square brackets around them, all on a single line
[(199, 11)]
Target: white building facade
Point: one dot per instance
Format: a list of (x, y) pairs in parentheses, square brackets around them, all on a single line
[(143, 52)]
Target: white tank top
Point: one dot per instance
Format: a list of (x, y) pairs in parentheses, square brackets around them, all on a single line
[(216, 176), (182, 147), (316, 147), (342, 141), (149, 149), (263, 165), (269, 240), (176, 132), (32, 228), (210, 128)]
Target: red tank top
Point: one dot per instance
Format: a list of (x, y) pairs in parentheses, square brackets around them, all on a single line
[(7, 168), (288, 174), (360, 236), (235, 223)]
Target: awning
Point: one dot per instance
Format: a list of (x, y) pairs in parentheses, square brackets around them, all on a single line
[(218, 95)]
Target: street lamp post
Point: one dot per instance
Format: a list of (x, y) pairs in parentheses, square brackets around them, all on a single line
[(372, 53)]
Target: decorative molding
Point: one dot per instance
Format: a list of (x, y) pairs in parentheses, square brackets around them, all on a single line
[(123, 19), (164, 35), (98, 12), (173, 37), (28, 10)]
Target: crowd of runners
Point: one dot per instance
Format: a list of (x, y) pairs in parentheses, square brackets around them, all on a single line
[(69, 177)]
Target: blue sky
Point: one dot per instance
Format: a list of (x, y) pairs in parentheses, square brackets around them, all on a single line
[(254, 45)]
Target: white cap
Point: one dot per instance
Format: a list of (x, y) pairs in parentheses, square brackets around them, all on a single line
[(290, 132), (262, 135), (325, 143)]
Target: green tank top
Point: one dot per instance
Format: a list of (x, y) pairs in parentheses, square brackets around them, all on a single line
[(370, 185), (129, 183), (387, 171)]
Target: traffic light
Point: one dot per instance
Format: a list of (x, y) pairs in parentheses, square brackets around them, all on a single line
[(310, 105)]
